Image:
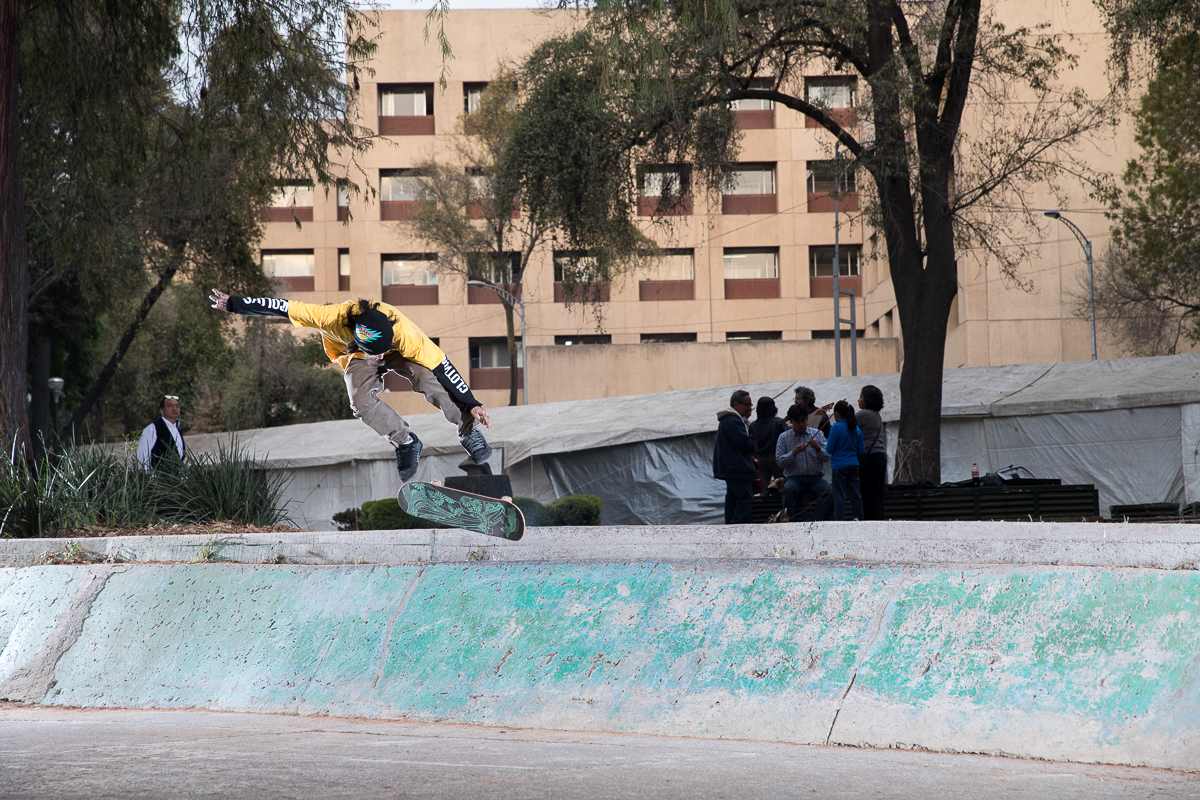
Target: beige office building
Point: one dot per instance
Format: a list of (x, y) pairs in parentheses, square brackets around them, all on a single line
[(746, 295)]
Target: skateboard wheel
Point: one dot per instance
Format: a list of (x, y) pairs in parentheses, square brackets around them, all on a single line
[(436, 483), (506, 499)]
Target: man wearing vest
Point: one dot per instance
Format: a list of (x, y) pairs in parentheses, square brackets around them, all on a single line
[(160, 434), (367, 340)]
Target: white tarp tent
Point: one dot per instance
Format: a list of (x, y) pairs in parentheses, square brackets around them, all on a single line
[(1132, 427)]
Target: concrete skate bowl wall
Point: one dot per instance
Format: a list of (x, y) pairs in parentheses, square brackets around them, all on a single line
[(1064, 663)]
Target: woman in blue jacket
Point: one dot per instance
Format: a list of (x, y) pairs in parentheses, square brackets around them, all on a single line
[(844, 447)]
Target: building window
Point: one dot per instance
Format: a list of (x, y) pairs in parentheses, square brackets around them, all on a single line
[(659, 181), (343, 270), (399, 185), (751, 273), (750, 179), (755, 104), (406, 110), (410, 270), (828, 334), (406, 100), (754, 336), (574, 266), (593, 338), (667, 338), (472, 95), (343, 202), (292, 201), (492, 352), (821, 261), (822, 176), (399, 191), (835, 96), (664, 191), (492, 267), (749, 189), (293, 193), (581, 274), (830, 93), (410, 279), (672, 265), (671, 276), (744, 263), (292, 270)]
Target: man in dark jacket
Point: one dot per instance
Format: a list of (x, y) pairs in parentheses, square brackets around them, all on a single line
[(733, 457)]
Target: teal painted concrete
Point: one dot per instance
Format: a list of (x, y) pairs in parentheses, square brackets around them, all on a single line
[(1064, 663), (31, 603)]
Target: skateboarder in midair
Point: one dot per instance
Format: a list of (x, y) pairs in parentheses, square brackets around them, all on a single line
[(367, 339)]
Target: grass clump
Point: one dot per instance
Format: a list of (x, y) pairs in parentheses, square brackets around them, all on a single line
[(84, 486)]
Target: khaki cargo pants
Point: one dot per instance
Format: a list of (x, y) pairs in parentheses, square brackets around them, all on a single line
[(364, 383)]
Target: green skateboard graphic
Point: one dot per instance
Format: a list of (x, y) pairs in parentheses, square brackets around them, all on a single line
[(473, 512)]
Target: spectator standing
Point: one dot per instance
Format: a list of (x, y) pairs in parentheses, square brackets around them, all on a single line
[(817, 417), (872, 466), (765, 429), (800, 453), (733, 457), (845, 446), (161, 435)]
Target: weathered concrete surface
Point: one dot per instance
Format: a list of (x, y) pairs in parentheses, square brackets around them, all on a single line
[(1153, 546), (1062, 663), (101, 753)]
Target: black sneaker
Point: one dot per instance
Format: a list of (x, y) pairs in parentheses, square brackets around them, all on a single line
[(407, 457), (476, 446)]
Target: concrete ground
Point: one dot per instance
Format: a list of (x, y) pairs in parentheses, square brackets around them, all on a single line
[(67, 753)]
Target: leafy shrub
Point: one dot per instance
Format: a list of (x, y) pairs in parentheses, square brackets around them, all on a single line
[(577, 509), (386, 515), (348, 520), (536, 513), (571, 510)]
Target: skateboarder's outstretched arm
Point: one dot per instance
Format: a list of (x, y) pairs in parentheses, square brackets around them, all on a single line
[(249, 306)]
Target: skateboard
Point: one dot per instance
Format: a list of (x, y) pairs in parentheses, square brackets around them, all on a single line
[(474, 512)]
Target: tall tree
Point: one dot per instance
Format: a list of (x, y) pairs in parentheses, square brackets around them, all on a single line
[(1150, 281), (487, 213), (470, 211), (946, 169), (114, 120)]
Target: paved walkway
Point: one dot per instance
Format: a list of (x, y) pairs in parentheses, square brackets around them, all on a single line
[(68, 753)]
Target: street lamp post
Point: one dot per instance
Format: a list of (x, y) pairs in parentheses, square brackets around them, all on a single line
[(1087, 249), (837, 292), (519, 304), (56, 389)]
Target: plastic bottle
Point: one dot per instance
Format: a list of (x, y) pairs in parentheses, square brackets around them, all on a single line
[(975, 474)]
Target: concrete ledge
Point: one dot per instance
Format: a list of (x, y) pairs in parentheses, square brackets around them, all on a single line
[(1063, 663), (1144, 545)]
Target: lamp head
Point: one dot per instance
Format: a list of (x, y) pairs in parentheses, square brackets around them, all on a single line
[(1052, 214), (56, 387)]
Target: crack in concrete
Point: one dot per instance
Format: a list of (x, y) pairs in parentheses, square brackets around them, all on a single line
[(32, 682), (902, 580), (387, 636)]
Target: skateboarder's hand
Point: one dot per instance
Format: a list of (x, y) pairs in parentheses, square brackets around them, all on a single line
[(219, 299), (481, 415)]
